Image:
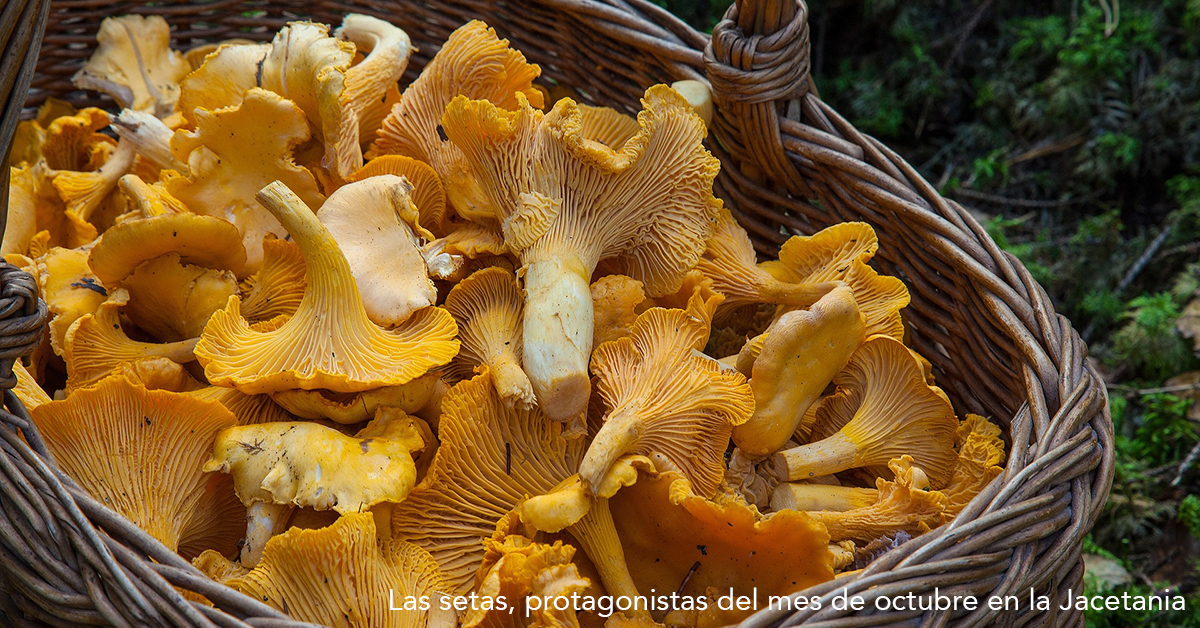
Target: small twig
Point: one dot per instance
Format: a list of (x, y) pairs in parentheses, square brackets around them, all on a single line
[(969, 28), (1186, 464), (1155, 391)]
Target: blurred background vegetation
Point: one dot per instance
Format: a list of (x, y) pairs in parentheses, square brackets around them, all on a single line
[(1071, 129)]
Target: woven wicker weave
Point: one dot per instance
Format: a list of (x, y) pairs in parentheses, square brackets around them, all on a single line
[(790, 165)]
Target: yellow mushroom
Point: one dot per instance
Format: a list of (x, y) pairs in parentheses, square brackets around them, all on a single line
[(375, 225), (487, 307), (149, 137), (329, 342), (891, 413), (905, 504), (565, 203), (799, 356), (528, 575), (491, 458), (427, 194), (473, 62), (617, 301), (171, 300), (699, 96), (342, 576), (139, 452), (980, 454), (222, 79), (134, 64), (69, 288), (370, 81), (279, 465), (677, 541), (278, 286), (232, 154), (664, 398), (96, 344), (804, 496)]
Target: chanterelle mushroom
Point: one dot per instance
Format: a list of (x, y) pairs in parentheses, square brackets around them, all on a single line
[(891, 412), (306, 464), (566, 203), (487, 307), (341, 576), (676, 540), (137, 451), (427, 192), (907, 504), (232, 154), (491, 458), (663, 398), (800, 355), (375, 224), (473, 62), (329, 342), (134, 64), (980, 454)]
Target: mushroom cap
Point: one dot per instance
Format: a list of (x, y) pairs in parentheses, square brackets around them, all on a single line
[(375, 224), (27, 389), (232, 154), (35, 206), (473, 62), (427, 193), (889, 412), (649, 206), (149, 200), (840, 253), (980, 454), (172, 300), (249, 409), (306, 464), (616, 300), (95, 345), (70, 290), (905, 504), (488, 308), (134, 64), (278, 286), (516, 567), (607, 126), (491, 457), (72, 141), (730, 262), (665, 399), (341, 577), (351, 408), (137, 451), (801, 353), (222, 79), (665, 529), (329, 342)]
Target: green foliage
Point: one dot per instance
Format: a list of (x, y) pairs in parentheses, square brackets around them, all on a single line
[(1189, 514), (1150, 619), (1164, 434), (1148, 342)]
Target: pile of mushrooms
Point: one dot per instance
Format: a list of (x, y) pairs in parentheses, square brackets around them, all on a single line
[(343, 343)]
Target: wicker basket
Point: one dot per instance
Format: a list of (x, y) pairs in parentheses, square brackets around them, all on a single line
[(791, 165)]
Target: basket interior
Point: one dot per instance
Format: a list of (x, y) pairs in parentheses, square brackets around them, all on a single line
[(951, 323)]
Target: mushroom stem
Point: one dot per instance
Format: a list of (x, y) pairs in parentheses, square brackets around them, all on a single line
[(795, 496), (382, 512), (797, 294), (558, 334), (615, 438), (597, 534), (512, 382), (824, 457), (263, 521)]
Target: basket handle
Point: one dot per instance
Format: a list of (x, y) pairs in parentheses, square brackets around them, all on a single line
[(758, 66)]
